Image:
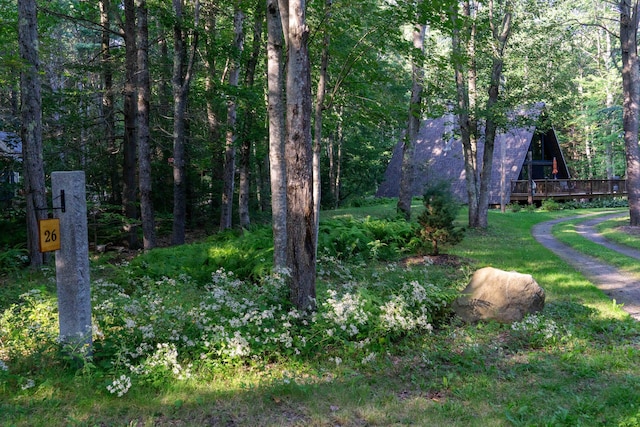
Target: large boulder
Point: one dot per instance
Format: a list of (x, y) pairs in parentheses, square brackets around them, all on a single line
[(504, 296)]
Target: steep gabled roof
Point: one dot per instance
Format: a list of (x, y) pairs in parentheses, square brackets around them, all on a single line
[(10, 145), (438, 156)]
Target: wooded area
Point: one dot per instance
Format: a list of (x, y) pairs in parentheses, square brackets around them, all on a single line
[(200, 112)]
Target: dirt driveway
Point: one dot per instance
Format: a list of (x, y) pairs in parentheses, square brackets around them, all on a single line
[(618, 285)]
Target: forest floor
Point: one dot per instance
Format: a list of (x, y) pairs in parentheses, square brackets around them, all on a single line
[(618, 285)]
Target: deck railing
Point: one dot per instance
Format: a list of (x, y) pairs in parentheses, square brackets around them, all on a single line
[(540, 189)]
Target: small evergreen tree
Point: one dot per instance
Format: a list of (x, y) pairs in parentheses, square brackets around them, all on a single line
[(436, 221)]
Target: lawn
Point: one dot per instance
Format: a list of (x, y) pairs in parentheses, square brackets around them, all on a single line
[(180, 341)]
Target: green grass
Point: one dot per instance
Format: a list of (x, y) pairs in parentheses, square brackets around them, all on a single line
[(566, 233), (577, 364), (611, 230)]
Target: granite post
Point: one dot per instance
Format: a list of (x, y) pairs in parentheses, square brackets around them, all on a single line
[(72, 260)]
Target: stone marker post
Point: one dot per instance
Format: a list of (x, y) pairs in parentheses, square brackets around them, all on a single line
[(72, 260)]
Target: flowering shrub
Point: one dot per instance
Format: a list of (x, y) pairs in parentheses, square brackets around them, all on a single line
[(30, 326), (151, 331), (537, 331)]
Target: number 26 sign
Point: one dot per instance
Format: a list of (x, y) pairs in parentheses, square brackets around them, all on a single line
[(49, 234)]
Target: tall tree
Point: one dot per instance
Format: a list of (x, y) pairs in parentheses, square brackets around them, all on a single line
[(108, 102), (130, 187), (31, 129), (321, 93), (277, 132), (301, 232), (143, 131), (183, 61), (465, 35), (629, 17), (413, 123), (213, 107), (232, 106), (249, 119), (500, 30)]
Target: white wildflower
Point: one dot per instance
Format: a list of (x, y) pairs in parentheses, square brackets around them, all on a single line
[(120, 386)]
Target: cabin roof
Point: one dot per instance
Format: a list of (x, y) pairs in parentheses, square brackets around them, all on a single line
[(10, 145)]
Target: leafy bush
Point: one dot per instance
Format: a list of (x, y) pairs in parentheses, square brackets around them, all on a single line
[(166, 329), (514, 207), (604, 202), (551, 205), (437, 220), (13, 259), (368, 238), (249, 254)]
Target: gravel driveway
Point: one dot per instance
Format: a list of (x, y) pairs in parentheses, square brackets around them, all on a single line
[(618, 285)]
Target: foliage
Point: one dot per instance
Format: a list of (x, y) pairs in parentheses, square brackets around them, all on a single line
[(602, 202), (167, 329), (13, 259), (171, 350), (247, 253), (437, 220), (350, 238), (550, 205)]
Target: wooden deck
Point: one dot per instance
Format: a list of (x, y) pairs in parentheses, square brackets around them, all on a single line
[(567, 189)]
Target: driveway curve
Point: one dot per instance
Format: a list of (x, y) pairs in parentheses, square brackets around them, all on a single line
[(616, 284)]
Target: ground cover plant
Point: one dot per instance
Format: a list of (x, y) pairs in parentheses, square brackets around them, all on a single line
[(381, 350)]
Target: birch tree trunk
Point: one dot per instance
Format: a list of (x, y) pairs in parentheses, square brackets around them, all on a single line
[(144, 138), (276, 112), (31, 129), (408, 172), (631, 102), (301, 233), (130, 188), (230, 144)]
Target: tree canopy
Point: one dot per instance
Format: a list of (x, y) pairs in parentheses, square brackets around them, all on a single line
[(563, 53)]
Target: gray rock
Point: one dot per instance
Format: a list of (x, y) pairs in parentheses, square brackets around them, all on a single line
[(504, 296)]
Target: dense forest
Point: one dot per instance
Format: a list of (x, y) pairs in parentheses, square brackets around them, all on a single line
[(167, 106)]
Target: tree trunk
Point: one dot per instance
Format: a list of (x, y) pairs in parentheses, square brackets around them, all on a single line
[(180, 81), (130, 190), (319, 108), (214, 111), (408, 172), (108, 102), (276, 111), (500, 37), (250, 119), (144, 137), (630, 106), (301, 233), (31, 129), (230, 145), (334, 152), (338, 161), (477, 171)]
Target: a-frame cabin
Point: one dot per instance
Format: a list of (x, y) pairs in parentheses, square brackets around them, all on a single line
[(438, 156)]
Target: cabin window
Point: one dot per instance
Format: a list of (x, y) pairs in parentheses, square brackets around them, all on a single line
[(537, 148)]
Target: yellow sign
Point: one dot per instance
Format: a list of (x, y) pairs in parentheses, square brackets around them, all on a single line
[(49, 234)]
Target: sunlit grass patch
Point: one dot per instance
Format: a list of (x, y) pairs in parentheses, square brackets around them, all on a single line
[(566, 233)]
